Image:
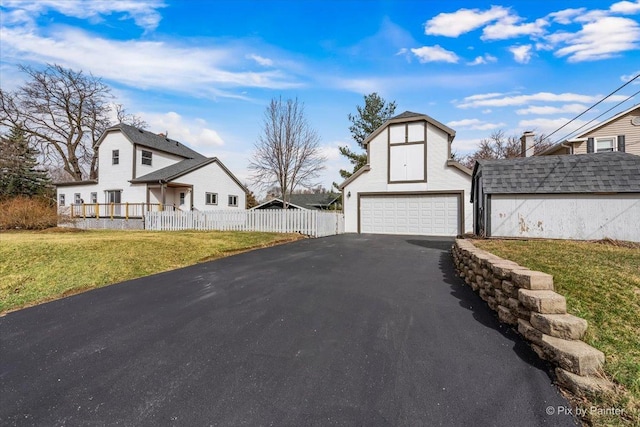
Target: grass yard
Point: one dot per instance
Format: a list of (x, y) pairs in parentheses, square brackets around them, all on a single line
[(45, 265), (601, 281)]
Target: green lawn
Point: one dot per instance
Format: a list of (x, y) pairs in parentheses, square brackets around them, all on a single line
[(41, 266), (601, 282)]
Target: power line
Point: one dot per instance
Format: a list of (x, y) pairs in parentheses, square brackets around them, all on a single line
[(596, 118), (585, 111), (588, 109)]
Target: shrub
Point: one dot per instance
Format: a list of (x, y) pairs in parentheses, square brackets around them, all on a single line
[(27, 214)]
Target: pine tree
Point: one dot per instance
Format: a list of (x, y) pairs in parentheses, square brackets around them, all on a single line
[(19, 172), (375, 112)]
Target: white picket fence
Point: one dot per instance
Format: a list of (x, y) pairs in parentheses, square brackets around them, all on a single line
[(308, 222)]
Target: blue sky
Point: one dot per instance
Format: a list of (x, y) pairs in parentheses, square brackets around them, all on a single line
[(205, 70)]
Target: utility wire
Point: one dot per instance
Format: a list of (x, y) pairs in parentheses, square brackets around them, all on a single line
[(596, 118), (585, 111), (588, 109)]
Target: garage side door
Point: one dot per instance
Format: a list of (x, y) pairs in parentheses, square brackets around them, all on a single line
[(431, 215)]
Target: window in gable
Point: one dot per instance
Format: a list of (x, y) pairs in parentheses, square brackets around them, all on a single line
[(605, 144), (115, 157), (146, 157), (233, 200)]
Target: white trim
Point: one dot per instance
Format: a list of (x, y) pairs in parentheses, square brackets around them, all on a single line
[(614, 143), (581, 137)]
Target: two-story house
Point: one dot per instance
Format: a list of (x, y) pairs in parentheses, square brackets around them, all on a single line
[(618, 133), (410, 184), (143, 169)]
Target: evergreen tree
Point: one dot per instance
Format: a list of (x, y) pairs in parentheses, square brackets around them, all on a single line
[(19, 172), (375, 112)]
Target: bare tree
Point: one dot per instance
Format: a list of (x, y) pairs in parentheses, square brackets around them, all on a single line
[(287, 154), (499, 146), (64, 112)]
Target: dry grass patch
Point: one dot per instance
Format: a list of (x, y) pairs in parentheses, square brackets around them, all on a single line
[(601, 281), (41, 266)]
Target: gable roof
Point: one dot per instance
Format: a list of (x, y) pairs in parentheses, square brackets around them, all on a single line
[(409, 116), (304, 201), (314, 201), (148, 139), (181, 168), (276, 202), (613, 172), (581, 135)]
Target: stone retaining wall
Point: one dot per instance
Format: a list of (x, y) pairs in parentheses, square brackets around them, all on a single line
[(526, 299)]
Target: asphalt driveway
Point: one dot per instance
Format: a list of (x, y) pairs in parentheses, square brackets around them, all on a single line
[(345, 330)]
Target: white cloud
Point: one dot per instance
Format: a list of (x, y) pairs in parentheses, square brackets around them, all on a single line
[(546, 126), (498, 100), (463, 146), (626, 7), (474, 124), (603, 39), (627, 77), (509, 27), (463, 21), (194, 133), (144, 13), (265, 62), (541, 110), (521, 54), (487, 111), (487, 58), (200, 71), (566, 16), (434, 54)]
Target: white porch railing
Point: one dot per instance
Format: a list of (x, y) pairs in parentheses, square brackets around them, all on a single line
[(311, 223)]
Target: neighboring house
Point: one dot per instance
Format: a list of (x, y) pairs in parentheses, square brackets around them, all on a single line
[(410, 184), (619, 133), (138, 167), (326, 201), (584, 197)]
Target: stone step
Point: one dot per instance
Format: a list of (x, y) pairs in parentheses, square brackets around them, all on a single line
[(546, 302), (574, 356), (565, 326)]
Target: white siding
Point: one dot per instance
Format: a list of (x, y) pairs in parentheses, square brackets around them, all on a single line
[(566, 216), (440, 177), (210, 178), (159, 160), (213, 179)]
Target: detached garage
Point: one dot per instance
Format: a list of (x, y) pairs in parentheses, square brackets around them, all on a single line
[(434, 214), (410, 185), (582, 197)]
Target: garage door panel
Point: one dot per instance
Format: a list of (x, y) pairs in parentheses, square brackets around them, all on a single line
[(424, 214)]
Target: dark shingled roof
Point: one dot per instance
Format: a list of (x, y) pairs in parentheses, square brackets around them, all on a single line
[(580, 173), (158, 142), (314, 201), (174, 171), (406, 115)]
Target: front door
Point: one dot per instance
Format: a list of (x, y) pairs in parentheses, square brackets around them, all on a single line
[(115, 197)]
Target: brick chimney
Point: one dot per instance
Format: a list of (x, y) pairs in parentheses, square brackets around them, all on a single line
[(526, 141)]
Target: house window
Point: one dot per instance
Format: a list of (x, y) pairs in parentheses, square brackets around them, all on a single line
[(115, 157), (182, 196), (61, 199), (605, 144), (233, 200), (211, 198), (77, 199), (94, 197), (146, 157)]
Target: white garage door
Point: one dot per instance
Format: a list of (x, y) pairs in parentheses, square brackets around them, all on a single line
[(431, 215)]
